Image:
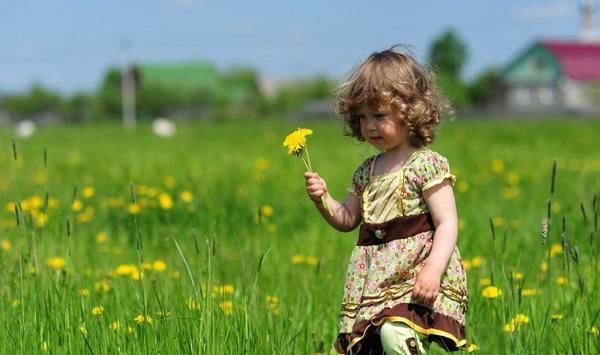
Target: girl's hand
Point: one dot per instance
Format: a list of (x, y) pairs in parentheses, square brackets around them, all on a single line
[(427, 286), (315, 186)]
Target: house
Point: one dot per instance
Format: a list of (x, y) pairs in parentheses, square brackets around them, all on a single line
[(553, 77)]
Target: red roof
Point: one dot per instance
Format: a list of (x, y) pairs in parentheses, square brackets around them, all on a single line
[(579, 61)]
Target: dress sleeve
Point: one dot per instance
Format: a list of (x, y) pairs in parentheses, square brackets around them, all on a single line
[(360, 178), (435, 170)]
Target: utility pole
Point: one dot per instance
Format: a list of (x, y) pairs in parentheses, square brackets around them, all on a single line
[(127, 88), (588, 32)]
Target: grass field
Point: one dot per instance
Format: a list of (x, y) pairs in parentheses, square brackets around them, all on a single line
[(123, 242)]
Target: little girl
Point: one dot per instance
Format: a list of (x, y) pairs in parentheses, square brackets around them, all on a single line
[(405, 285)]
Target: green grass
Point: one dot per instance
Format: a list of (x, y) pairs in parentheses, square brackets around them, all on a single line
[(239, 254)]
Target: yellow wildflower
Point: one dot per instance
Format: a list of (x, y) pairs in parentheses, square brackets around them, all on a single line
[(77, 205), (141, 319), (16, 303), (555, 249), (486, 281), (192, 304), (517, 275), (311, 260), (497, 221), (272, 299), (594, 330), (5, 245), (159, 265), (165, 201), (556, 317), (521, 319), (55, 263), (510, 327), (88, 192), (491, 292), (102, 286), (298, 259), (556, 208), (472, 348), (226, 307), (82, 329), (477, 261), (467, 264), (133, 208), (84, 292), (497, 166), (295, 142), (45, 346), (115, 325), (96, 311), (101, 238), (186, 196), (544, 266), (266, 210), (561, 280)]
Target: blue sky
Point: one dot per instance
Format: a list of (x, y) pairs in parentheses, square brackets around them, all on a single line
[(69, 44)]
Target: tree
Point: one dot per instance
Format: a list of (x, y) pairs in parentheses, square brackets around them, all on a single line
[(481, 88), (448, 54)]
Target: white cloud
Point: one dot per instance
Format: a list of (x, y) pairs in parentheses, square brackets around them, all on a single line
[(549, 11)]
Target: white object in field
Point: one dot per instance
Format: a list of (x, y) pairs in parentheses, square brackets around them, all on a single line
[(25, 128), (163, 127)]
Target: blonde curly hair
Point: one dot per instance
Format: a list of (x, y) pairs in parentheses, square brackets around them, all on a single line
[(393, 77)]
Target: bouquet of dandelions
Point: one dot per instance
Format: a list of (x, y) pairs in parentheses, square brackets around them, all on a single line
[(295, 143)]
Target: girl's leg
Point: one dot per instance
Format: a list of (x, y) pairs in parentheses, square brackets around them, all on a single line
[(399, 339)]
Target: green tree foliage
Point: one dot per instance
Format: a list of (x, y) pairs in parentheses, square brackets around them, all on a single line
[(481, 87), (37, 101), (448, 54)]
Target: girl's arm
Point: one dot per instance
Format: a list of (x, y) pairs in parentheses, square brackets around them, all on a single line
[(440, 200), (346, 215)]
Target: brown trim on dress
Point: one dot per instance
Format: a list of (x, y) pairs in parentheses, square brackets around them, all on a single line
[(418, 317), (396, 228)]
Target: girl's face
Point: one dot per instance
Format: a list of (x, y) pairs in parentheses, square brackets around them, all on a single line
[(381, 127)]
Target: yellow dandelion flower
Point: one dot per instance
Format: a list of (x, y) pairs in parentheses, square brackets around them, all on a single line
[(467, 264), (143, 319), (88, 192), (556, 317), (311, 260), (517, 275), (15, 303), (561, 280), (84, 292), (556, 208), (133, 208), (510, 193), (5, 245), (544, 266), (498, 221), (159, 265), (556, 249), (295, 142), (163, 314), (472, 347), (298, 259), (101, 238), (510, 327), (272, 299), (192, 304), (82, 329), (477, 261), (45, 346), (10, 207), (594, 330), (486, 281), (101, 286), (98, 310), (55, 263), (165, 201), (115, 325), (497, 166), (226, 307), (266, 210), (77, 205), (491, 292), (521, 319), (512, 178), (186, 196)]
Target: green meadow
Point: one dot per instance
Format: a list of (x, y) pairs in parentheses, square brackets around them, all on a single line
[(115, 241)]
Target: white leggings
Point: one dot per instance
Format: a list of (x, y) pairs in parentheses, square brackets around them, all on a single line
[(399, 339)]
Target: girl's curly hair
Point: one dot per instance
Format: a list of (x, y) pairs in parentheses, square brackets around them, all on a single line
[(393, 77)]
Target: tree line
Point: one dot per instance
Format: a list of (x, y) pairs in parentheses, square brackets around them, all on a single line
[(235, 92)]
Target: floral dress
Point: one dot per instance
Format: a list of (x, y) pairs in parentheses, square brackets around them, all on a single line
[(380, 277)]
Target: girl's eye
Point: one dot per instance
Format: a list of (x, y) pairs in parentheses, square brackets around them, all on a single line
[(380, 116)]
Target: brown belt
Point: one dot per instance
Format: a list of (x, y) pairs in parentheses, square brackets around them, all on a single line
[(397, 228)]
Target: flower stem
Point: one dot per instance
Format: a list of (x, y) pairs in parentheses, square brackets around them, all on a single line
[(309, 167)]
